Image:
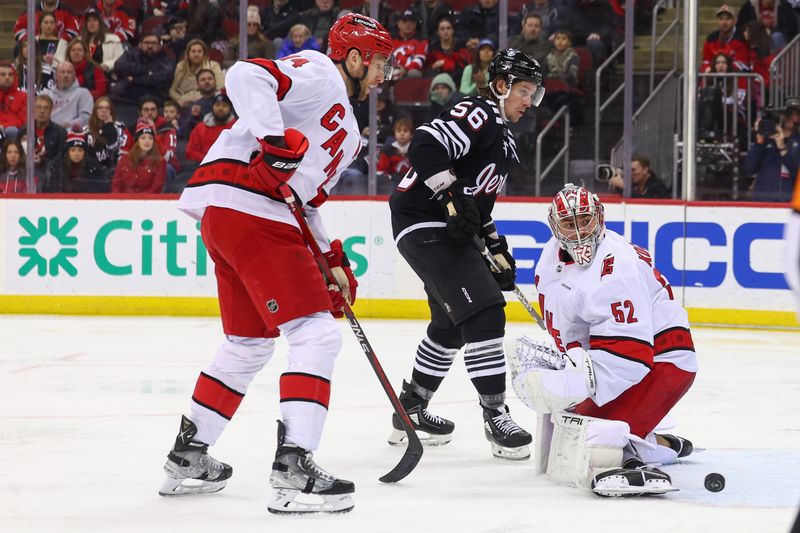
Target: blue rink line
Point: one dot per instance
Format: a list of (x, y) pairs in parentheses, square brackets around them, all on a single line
[(753, 478)]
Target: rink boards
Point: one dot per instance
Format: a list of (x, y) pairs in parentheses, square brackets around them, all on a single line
[(84, 255)]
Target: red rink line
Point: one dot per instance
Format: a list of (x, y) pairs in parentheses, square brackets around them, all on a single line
[(50, 363)]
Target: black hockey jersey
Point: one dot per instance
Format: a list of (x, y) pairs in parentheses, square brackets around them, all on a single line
[(470, 138)]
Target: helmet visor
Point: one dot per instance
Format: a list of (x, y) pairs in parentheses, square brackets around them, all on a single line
[(538, 96)]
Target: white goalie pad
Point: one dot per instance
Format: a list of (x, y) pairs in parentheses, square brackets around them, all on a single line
[(581, 447)]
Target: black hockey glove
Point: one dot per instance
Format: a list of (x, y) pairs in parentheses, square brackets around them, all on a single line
[(507, 276), (461, 211)]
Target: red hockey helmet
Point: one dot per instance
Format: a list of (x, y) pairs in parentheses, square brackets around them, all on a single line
[(363, 33), (577, 220)]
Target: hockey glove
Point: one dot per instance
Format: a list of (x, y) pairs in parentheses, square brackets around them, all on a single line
[(507, 276), (274, 165), (343, 287), (461, 211)]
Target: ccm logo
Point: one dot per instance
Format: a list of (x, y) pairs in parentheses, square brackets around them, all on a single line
[(285, 165)]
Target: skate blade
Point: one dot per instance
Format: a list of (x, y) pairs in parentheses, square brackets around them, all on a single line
[(400, 439), (188, 486), (288, 501), (521, 453), (618, 487)]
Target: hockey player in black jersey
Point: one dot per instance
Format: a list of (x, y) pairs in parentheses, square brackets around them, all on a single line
[(460, 162)]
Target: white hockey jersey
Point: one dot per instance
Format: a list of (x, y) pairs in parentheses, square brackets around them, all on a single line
[(303, 91), (620, 309)]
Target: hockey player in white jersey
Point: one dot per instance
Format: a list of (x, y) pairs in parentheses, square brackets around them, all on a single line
[(621, 356), (296, 127)]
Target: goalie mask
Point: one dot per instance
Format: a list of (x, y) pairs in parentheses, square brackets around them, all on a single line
[(577, 221)]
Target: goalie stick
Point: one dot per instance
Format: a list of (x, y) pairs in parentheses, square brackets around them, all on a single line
[(413, 452)]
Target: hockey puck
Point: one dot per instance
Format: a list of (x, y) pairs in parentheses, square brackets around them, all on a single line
[(714, 482)]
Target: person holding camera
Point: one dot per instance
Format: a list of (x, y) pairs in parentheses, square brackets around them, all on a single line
[(774, 156), (644, 182)]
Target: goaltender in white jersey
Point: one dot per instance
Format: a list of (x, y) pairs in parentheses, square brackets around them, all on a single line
[(621, 355)]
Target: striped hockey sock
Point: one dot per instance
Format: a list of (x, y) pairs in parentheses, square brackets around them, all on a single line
[(486, 367), (432, 364)]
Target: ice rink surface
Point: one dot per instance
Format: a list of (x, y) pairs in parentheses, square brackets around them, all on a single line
[(90, 407)]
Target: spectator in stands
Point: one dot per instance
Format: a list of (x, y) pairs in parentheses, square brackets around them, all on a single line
[(50, 137), (760, 45), (774, 159), (299, 38), (117, 20), (105, 47), (319, 20), (386, 114), (725, 40), (44, 72), (386, 13), (142, 170), (66, 23), (106, 137), (476, 74), (48, 38), (548, 15), (593, 24), (205, 134), (175, 39), (277, 18), (393, 160), (531, 40), (72, 104), (166, 136), (143, 70), (561, 80), (204, 21), (13, 102), (446, 54), (482, 19), (410, 52), (776, 16), (430, 13), (207, 87), (74, 171), (644, 182), (184, 83), (88, 73), (12, 168), (172, 114), (442, 94), (258, 45)]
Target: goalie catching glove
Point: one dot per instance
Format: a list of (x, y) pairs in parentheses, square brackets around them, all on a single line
[(343, 287), (461, 211), (274, 165)]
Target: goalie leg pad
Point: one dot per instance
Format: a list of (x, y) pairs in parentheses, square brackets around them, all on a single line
[(582, 447)]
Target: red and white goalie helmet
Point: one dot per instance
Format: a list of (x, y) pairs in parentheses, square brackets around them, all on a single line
[(577, 221), (365, 34)]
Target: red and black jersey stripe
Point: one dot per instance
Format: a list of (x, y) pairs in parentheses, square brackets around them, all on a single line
[(214, 395), (625, 347), (284, 81), (300, 387), (672, 339)]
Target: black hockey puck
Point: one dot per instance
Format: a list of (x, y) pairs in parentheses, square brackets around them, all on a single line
[(715, 482)]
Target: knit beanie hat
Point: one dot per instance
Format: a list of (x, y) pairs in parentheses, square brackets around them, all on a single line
[(252, 15), (144, 127), (76, 139)]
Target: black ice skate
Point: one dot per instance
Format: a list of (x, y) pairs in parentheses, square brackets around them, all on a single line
[(303, 487), (633, 479), (508, 440), (683, 447), (189, 468), (432, 430)]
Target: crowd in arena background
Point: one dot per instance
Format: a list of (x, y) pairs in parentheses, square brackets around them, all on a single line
[(130, 95)]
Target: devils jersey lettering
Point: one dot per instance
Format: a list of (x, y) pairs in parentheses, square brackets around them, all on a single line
[(303, 91), (619, 309), (473, 140)]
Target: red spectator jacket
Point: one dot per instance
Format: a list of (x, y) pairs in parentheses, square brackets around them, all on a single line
[(12, 106), (118, 21), (68, 25), (392, 162), (203, 136), (736, 48), (454, 60), (147, 178), (410, 53), (92, 78)]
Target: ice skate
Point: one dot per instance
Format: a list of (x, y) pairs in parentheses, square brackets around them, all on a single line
[(683, 447), (303, 487), (432, 430), (189, 468), (508, 440), (633, 479)]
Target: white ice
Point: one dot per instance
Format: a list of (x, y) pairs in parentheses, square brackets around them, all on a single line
[(90, 407)]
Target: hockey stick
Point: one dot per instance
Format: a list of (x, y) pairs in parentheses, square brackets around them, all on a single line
[(413, 452), (481, 246)]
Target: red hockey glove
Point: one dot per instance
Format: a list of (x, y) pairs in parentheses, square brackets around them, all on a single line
[(275, 165), (344, 288)]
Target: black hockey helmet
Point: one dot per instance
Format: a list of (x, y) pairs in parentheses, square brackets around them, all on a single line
[(515, 65)]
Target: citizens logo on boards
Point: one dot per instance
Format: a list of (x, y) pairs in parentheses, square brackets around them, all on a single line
[(48, 246)]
